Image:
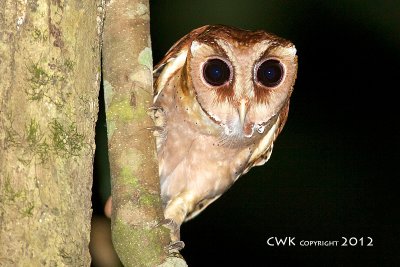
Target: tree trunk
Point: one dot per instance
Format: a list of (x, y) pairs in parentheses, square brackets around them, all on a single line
[(138, 237), (49, 80)]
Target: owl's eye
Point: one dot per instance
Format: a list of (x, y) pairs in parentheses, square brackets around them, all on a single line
[(216, 72), (270, 73)]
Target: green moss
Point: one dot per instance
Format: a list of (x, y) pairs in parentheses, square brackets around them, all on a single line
[(12, 137), (66, 140), (137, 245), (42, 151), (128, 178), (38, 78), (38, 75), (133, 158), (52, 75), (140, 111), (8, 192), (33, 132), (69, 65), (28, 210), (148, 199), (17, 198), (38, 35), (146, 58), (36, 141), (120, 110)]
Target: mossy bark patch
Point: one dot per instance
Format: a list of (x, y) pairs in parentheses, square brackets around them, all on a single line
[(120, 110), (128, 178), (50, 60), (138, 236), (144, 238), (146, 58)]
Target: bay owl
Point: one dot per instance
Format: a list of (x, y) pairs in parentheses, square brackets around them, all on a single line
[(221, 99)]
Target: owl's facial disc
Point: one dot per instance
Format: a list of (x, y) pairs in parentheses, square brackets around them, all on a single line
[(240, 79)]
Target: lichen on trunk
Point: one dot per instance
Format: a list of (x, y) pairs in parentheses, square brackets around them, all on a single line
[(49, 65), (138, 236)]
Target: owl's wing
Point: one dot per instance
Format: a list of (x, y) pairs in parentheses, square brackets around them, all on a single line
[(173, 60), (263, 151)]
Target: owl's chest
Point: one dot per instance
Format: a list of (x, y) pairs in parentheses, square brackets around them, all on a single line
[(192, 161), (194, 155)]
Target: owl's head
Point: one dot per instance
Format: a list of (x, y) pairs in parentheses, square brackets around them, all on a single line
[(241, 79)]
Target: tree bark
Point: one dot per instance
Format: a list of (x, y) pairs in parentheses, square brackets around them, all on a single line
[(138, 237), (49, 80)]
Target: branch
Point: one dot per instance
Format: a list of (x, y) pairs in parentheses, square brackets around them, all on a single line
[(127, 67)]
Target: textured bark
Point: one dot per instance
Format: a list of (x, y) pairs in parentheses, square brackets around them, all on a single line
[(127, 67), (49, 80)]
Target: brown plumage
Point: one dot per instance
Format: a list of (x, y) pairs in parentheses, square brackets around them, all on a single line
[(221, 99)]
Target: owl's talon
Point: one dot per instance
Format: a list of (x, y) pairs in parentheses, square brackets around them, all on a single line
[(155, 108), (174, 233), (169, 223), (175, 247), (157, 130)]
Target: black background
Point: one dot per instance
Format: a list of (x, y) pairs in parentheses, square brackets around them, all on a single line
[(334, 168)]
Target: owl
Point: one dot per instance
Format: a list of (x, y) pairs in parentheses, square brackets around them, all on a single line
[(221, 97)]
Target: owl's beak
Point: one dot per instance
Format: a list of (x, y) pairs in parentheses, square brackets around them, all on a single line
[(242, 111)]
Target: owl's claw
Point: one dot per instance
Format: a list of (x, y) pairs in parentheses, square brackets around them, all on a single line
[(169, 223), (157, 130), (155, 108), (173, 227), (175, 247), (175, 244)]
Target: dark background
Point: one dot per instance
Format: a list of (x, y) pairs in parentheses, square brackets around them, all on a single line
[(334, 168)]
